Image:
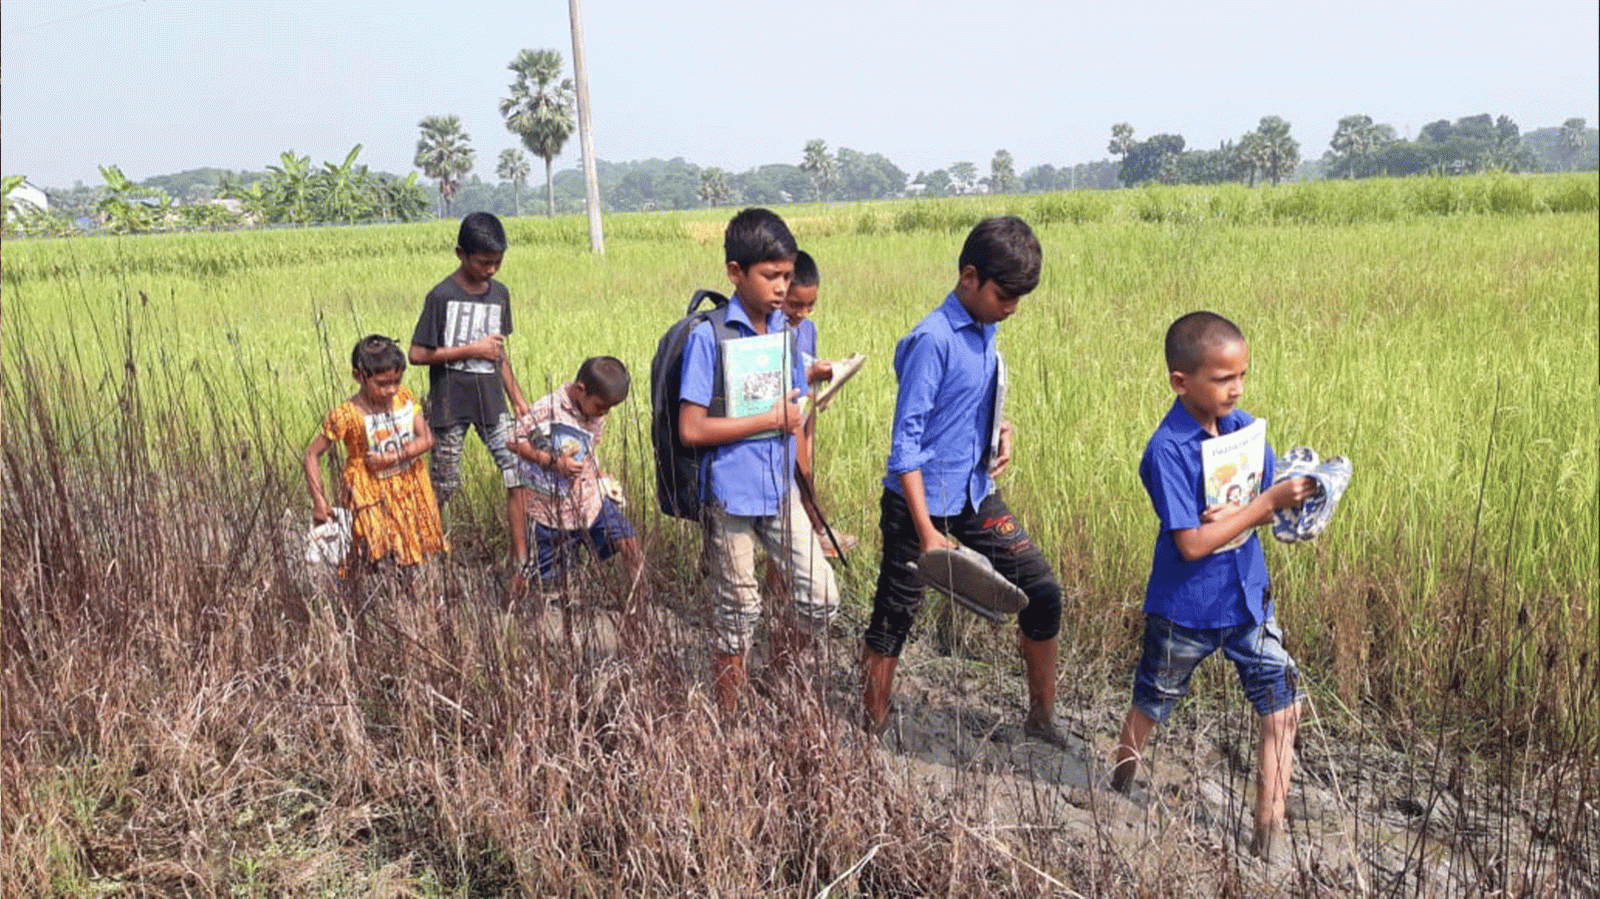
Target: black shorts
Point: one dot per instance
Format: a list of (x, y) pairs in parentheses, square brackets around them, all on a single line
[(992, 531)]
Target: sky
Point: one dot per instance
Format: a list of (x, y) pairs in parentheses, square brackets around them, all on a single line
[(160, 86)]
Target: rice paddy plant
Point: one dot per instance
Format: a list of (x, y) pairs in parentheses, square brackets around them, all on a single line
[(1377, 339), (184, 716), (1440, 332)]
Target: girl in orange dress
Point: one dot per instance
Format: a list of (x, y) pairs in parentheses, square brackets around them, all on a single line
[(384, 433)]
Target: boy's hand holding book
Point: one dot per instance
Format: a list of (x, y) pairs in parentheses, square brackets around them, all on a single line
[(567, 463), (1287, 494), (788, 414), (1002, 455), (820, 372)]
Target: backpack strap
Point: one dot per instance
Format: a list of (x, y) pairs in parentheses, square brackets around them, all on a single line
[(721, 330), (717, 300)]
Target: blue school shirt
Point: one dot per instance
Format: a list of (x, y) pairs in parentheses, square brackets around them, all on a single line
[(944, 411), (805, 340), (749, 477), (1222, 589)]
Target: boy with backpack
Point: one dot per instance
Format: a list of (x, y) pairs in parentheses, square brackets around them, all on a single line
[(742, 494)]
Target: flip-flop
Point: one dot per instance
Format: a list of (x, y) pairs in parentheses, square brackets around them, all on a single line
[(847, 542), (970, 580), (1300, 462), (1332, 476)]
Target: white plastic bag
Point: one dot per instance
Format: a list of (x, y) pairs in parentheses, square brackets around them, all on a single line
[(328, 543)]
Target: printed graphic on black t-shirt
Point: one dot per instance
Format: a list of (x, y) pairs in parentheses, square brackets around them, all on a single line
[(465, 322)]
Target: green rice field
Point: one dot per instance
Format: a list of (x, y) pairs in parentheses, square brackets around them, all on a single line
[(1441, 333)]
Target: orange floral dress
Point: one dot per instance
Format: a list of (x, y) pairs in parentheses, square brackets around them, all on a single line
[(393, 511)]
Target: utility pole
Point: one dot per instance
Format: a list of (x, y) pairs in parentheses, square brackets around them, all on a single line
[(591, 181)]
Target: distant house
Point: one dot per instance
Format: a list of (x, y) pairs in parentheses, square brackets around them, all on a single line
[(24, 199)]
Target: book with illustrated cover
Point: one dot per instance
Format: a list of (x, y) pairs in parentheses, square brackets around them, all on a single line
[(561, 439), (843, 370), (756, 374), (389, 432), (1232, 464)]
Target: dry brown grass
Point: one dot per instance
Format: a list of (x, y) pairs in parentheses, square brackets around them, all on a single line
[(180, 718)]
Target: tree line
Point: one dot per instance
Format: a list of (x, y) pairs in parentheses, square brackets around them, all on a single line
[(294, 192), (540, 111), (1359, 148)]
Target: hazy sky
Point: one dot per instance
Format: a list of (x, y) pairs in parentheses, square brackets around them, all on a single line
[(159, 86)]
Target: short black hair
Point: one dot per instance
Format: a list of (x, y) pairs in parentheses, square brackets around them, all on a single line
[(1003, 250), (757, 235), (605, 377), (375, 353), (481, 232), (805, 271), (1191, 335)]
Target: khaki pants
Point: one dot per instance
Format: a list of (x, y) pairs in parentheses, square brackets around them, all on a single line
[(730, 560)]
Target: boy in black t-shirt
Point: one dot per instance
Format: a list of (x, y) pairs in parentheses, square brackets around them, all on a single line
[(460, 336)]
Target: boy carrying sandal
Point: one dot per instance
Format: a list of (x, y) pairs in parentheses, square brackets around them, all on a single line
[(941, 469), (1203, 595)]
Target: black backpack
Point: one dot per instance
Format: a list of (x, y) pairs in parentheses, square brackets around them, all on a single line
[(678, 488)]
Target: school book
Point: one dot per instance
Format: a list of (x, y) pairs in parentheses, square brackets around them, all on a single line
[(755, 374), (390, 432), (1232, 464), (1001, 381), (843, 370), (559, 439)]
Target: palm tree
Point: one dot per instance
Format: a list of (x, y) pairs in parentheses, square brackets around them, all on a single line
[(1273, 151), (513, 167), (444, 152), (1355, 138), (540, 110), (1574, 137), (819, 164)]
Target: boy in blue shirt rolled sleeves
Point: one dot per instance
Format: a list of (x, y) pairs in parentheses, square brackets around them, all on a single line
[(1198, 599), (747, 476), (942, 465)]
